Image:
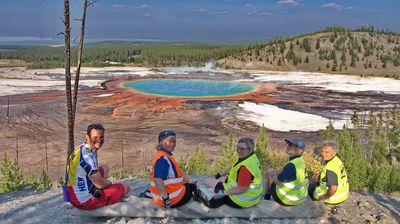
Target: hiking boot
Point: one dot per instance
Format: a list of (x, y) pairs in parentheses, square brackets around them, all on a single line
[(145, 194)]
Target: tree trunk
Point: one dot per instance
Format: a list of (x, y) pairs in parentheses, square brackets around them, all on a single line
[(67, 36), (78, 69)]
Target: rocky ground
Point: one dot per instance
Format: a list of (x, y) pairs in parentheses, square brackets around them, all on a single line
[(30, 206)]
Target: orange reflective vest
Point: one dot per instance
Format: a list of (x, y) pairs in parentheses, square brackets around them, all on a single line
[(173, 185)]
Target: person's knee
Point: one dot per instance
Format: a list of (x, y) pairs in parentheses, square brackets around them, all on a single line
[(106, 170), (126, 187), (210, 182)]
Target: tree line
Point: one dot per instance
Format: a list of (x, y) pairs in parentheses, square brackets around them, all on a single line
[(98, 55)]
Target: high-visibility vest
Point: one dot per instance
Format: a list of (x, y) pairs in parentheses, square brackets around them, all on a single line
[(173, 185), (342, 191), (294, 192), (253, 194)]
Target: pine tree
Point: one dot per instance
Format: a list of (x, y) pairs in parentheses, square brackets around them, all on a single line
[(44, 181), (307, 59), (317, 45), (11, 176), (182, 164), (228, 155), (196, 164), (30, 180), (329, 132), (355, 164), (379, 179), (262, 147)]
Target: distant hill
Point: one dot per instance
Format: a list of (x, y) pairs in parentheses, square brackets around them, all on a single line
[(363, 51)]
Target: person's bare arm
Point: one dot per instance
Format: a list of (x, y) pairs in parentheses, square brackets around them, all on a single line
[(236, 190), (99, 181), (161, 187), (331, 191)]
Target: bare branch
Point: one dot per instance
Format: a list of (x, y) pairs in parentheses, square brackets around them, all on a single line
[(61, 33)]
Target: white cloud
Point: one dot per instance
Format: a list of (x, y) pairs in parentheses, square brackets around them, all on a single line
[(248, 5), (288, 2), (220, 12), (350, 8), (147, 14), (332, 5), (145, 6), (200, 10), (117, 6), (253, 12)]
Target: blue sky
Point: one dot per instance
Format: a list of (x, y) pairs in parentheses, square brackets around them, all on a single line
[(204, 21)]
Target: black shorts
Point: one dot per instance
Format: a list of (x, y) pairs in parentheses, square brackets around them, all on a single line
[(311, 190), (186, 198), (226, 199), (276, 198)]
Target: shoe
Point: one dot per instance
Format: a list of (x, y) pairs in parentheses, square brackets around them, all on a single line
[(267, 197), (145, 194)]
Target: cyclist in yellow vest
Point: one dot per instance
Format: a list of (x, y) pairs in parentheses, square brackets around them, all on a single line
[(242, 185), (289, 187), (331, 184)]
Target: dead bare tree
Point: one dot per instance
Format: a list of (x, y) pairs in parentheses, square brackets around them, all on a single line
[(67, 39), (80, 51), (72, 100)]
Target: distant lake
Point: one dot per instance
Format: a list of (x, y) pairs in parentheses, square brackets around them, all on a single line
[(189, 88)]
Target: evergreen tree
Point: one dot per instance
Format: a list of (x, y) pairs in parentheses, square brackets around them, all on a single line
[(182, 164), (355, 164), (307, 59), (44, 181), (317, 45), (228, 155), (262, 146), (196, 164), (30, 180), (329, 132), (379, 179), (11, 176)]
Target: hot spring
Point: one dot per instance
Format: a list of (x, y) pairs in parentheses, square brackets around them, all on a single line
[(189, 88)]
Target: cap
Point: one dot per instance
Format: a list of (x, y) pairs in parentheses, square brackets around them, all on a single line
[(165, 134), (296, 142)]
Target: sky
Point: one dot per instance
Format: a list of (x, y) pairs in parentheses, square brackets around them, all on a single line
[(196, 21)]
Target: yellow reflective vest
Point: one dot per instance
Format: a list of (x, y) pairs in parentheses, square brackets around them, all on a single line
[(252, 196), (294, 192), (342, 191)]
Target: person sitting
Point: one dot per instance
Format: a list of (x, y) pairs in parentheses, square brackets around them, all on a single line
[(289, 187), (242, 185), (170, 187), (87, 186), (331, 185)]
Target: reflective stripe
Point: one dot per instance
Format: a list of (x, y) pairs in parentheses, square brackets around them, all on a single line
[(340, 186), (334, 197), (292, 198), (171, 196), (251, 186), (292, 186), (169, 181), (246, 198)]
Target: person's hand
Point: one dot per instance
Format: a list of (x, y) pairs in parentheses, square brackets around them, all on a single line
[(219, 194), (314, 178), (167, 202), (217, 176), (195, 182)]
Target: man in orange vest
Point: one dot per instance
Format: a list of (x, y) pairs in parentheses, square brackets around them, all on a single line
[(170, 187)]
